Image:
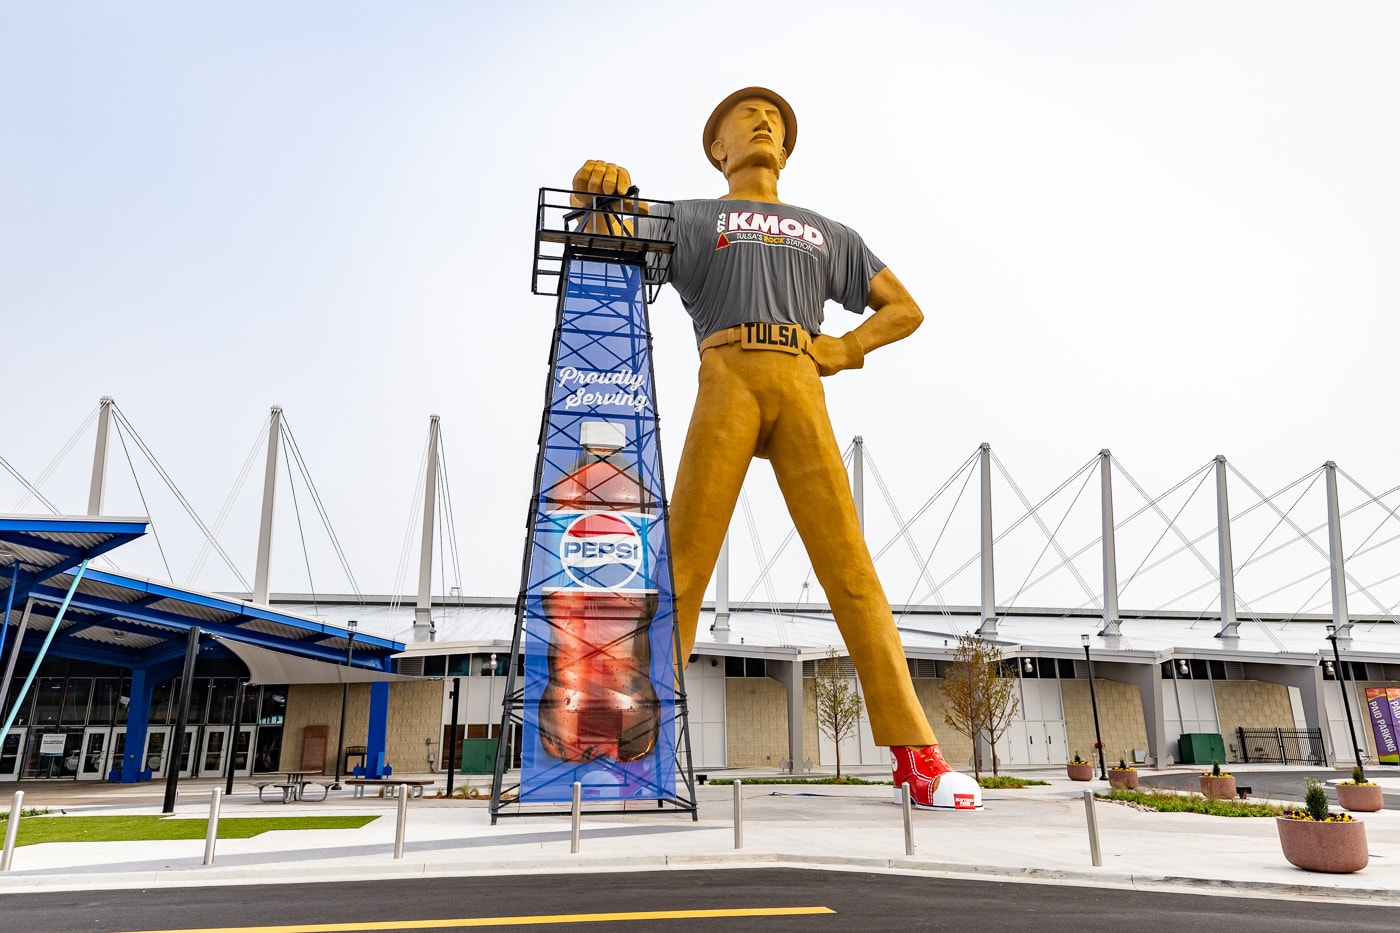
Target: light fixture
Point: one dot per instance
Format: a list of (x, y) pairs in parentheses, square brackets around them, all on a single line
[(1028, 666), (1327, 666), (489, 669), (1182, 667)]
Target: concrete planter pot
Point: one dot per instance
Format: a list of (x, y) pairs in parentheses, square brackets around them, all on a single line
[(1124, 778), (1329, 847), (1217, 786), (1361, 798), (1083, 772)]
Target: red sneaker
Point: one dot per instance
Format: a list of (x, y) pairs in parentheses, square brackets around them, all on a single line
[(933, 784)]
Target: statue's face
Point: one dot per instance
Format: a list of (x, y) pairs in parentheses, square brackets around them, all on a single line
[(750, 134)]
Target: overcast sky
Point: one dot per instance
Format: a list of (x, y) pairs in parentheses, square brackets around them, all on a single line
[(1169, 230)]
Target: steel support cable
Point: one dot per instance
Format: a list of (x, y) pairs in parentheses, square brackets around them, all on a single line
[(1385, 518), (160, 549), (1024, 517), (928, 504), (450, 512), (150, 456), (899, 519), (766, 566), (305, 553), (1132, 576), (1307, 536), (33, 491), (1123, 524), (56, 462), (1306, 489), (1312, 531), (1163, 515), (933, 587), (401, 570), (1087, 476), (233, 494), (1088, 590), (1393, 576), (320, 506)]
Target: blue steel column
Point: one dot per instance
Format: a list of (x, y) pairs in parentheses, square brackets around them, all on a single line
[(138, 722), (44, 648), (378, 733)]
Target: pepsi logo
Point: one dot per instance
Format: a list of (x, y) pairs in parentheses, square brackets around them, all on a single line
[(601, 550)]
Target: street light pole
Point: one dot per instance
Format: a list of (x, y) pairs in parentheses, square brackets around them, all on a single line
[(1346, 705), (1094, 701), (344, 700)]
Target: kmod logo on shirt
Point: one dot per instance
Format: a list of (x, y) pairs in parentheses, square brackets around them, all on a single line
[(601, 551)]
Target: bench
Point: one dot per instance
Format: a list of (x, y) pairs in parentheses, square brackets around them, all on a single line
[(415, 787), (326, 787), (289, 791)]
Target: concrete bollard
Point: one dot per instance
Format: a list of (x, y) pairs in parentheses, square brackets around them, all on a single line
[(12, 830), (215, 799), (403, 821), (738, 814), (576, 818), (1093, 828), (908, 806)]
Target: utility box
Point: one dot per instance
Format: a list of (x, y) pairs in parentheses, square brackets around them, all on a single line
[(1200, 748), (479, 756)]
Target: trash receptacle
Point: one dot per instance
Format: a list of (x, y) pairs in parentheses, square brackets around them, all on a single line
[(479, 756)]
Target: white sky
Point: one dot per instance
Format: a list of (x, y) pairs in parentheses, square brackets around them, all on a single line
[(1165, 229)]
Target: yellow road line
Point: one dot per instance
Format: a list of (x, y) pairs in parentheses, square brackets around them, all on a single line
[(511, 921)]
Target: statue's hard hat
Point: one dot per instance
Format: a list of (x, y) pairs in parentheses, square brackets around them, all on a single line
[(789, 118)]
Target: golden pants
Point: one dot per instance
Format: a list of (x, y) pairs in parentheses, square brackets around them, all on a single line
[(762, 403)]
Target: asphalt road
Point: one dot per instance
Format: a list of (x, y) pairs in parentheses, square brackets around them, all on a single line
[(772, 900), (1283, 787)]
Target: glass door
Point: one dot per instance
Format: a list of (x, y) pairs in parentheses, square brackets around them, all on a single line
[(11, 756), (242, 748), (157, 737), (214, 749), (187, 748), (95, 756)]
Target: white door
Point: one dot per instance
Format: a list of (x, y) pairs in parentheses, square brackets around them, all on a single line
[(243, 752), (12, 754), (155, 758), (96, 753), (213, 753)]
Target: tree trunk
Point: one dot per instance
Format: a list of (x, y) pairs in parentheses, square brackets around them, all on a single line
[(838, 759)]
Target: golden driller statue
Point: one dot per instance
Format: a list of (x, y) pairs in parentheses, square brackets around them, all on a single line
[(754, 274)]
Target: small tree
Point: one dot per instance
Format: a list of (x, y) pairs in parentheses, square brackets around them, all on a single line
[(979, 702), (838, 703)]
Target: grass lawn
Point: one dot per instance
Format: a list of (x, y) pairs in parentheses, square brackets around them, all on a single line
[(1168, 801), (1004, 782), (144, 828)]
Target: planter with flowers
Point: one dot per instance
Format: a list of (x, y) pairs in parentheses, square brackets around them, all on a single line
[(1216, 783), (1123, 777), (1315, 839), (1359, 794), (1079, 769)]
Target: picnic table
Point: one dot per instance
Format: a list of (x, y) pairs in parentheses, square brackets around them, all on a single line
[(293, 786), (391, 784)]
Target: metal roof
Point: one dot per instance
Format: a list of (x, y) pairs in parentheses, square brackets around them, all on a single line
[(134, 622)]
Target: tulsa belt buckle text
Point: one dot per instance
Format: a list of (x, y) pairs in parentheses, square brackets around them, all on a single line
[(759, 335)]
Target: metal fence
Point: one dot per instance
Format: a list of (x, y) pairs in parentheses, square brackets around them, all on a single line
[(1286, 746)]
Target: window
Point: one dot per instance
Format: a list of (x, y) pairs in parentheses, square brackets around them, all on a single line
[(745, 667)]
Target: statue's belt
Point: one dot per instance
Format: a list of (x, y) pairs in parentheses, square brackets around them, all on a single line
[(761, 335)]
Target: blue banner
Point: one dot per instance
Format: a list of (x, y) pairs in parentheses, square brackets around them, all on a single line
[(599, 691)]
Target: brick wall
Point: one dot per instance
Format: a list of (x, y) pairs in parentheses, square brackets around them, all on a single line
[(415, 713), (1121, 720), (756, 711), (1252, 704)]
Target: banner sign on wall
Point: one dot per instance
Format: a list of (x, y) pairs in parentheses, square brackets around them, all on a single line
[(599, 695), (1383, 705)]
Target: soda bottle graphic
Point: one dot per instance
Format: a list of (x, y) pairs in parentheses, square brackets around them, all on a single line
[(599, 701)]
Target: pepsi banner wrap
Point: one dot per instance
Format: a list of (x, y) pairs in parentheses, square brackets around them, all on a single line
[(599, 698)]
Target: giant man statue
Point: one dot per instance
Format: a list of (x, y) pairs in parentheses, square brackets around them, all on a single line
[(754, 274)]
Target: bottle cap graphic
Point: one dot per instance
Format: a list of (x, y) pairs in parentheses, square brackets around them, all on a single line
[(607, 435)]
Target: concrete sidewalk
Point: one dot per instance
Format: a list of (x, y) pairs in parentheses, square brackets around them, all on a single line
[(1032, 834)]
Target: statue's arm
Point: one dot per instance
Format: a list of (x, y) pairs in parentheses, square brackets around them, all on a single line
[(896, 316)]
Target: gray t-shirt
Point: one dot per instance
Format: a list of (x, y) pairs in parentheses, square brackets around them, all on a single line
[(738, 261)]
